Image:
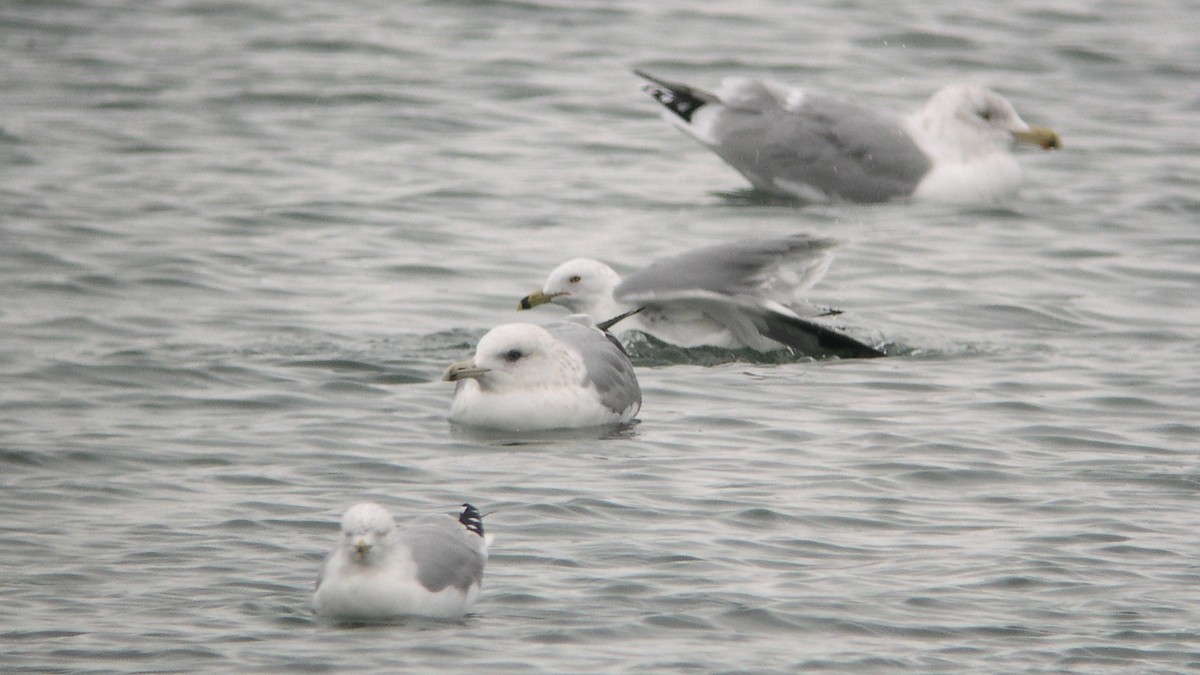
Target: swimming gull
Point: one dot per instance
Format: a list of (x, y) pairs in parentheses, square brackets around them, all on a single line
[(736, 296), (790, 142), (431, 568), (524, 377)]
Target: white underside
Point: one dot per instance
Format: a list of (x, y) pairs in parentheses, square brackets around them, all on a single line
[(803, 191), (533, 408), (351, 592), (988, 178)]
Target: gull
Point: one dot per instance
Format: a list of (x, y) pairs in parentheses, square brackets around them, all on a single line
[(735, 296), (431, 568), (525, 377), (789, 142)]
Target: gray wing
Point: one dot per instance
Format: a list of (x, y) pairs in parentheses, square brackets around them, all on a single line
[(444, 557), (838, 148), (747, 318), (729, 284), (730, 270), (608, 368)]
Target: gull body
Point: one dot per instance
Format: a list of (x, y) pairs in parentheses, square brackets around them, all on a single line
[(789, 142), (734, 296), (525, 377), (433, 567)]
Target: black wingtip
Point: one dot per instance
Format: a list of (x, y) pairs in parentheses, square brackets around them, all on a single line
[(848, 347), (843, 345), (680, 99), (605, 325), (809, 337), (650, 78), (471, 519)]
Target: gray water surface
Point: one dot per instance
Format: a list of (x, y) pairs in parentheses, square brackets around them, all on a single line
[(240, 241)]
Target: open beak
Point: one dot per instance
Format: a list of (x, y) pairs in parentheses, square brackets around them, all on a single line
[(463, 370), (536, 298), (1042, 137)]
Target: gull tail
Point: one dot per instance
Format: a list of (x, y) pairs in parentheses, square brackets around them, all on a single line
[(471, 519), (680, 99), (809, 337)]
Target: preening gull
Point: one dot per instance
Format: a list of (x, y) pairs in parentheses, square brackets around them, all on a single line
[(790, 142), (735, 296), (432, 568), (568, 374)]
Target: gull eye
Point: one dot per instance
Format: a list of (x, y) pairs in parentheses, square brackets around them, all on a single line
[(513, 355), (575, 279), (986, 114)]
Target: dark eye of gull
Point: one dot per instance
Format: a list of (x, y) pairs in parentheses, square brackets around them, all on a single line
[(575, 279), (512, 355), (986, 114)]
